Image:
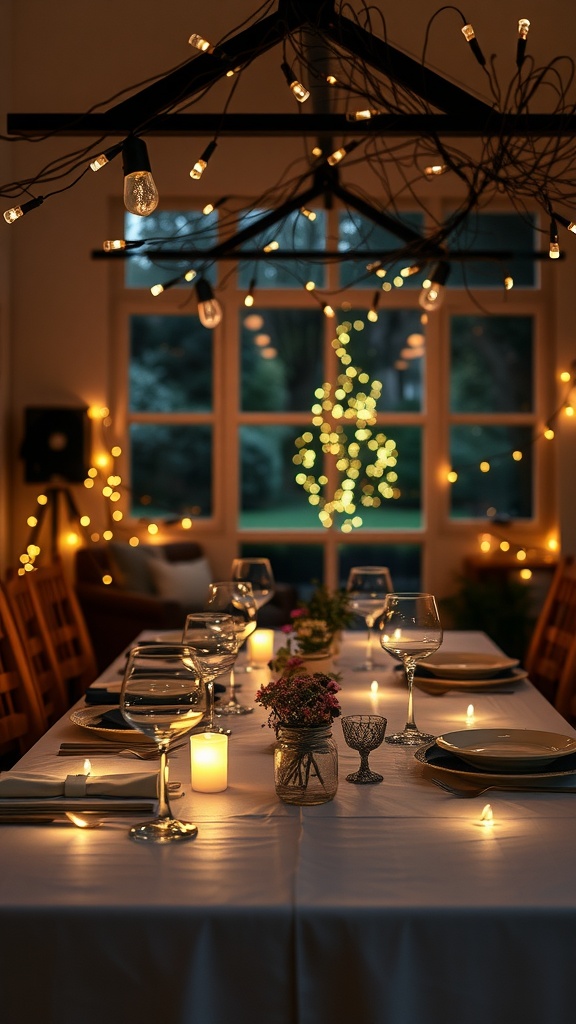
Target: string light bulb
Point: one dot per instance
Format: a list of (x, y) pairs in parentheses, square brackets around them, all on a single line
[(339, 154), (362, 115), (140, 192), (20, 211), (554, 248), (570, 225), (199, 43), (249, 297), (435, 170), (104, 158), (299, 91), (432, 294), (309, 214), (470, 37), (209, 309), (202, 162), (372, 314), (523, 27)]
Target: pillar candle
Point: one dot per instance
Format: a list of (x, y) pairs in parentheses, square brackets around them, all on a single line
[(261, 646), (209, 762)]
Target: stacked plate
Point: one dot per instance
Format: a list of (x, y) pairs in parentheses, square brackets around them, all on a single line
[(441, 672), (495, 756)]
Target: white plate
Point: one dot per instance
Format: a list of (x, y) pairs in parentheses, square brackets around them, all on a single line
[(507, 750), (436, 684), (445, 765), (169, 637), (91, 718), (468, 666)]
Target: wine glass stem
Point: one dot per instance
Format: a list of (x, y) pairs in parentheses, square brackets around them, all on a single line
[(210, 689), (369, 664), (163, 805), (364, 766), (409, 667)]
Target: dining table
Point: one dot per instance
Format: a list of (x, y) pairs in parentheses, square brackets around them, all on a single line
[(393, 903)]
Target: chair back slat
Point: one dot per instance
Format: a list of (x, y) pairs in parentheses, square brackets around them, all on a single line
[(50, 686), (22, 718), (551, 657), (58, 607)]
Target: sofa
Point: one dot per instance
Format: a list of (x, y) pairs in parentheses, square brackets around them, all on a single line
[(150, 587)]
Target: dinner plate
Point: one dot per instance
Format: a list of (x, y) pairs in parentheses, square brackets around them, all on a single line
[(438, 684), (91, 718), (468, 666), (507, 750), (446, 765)]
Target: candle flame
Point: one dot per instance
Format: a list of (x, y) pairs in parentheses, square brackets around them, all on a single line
[(87, 766), (374, 686), (487, 815)]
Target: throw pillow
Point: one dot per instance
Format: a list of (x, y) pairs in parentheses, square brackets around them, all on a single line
[(184, 582), (131, 566)]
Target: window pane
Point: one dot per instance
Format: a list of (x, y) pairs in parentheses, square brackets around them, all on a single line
[(403, 510), (270, 497), (500, 233), (302, 565), (391, 351), (281, 359), (357, 233), (506, 490), (403, 561), (175, 229), (491, 364), (295, 232), (170, 364), (171, 470)]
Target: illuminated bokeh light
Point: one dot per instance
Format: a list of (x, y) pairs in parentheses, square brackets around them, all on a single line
[(344, 418)]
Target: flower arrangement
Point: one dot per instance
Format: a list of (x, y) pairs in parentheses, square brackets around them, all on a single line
[(298, 700)]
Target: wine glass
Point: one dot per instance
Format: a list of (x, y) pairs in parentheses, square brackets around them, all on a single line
[(364, 733), (410, 631), (212, 635), (236, 599), (257, 572), (163, 695), (367, 588)]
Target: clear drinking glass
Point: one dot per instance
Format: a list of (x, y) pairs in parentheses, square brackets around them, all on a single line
[(212, 635), (163, 695), (234, 598), (367, 588), (410, 631), (258, 573)]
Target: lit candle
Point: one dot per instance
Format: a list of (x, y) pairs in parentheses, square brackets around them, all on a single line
[(87, 766), (261, 646), (374, 687), (487, 816), (470, 716), (209, 762)]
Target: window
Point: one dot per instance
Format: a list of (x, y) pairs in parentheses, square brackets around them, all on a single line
[(217, 421)]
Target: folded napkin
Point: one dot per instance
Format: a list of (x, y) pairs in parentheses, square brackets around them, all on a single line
[(17, 785), (111, 695)]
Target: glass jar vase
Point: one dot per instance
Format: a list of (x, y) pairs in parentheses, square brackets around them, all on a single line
[(305, 765)]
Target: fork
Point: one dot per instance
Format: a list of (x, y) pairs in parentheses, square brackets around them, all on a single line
[(468, 790)]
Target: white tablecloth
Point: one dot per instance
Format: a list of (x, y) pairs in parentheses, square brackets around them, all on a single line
[(390, 905)]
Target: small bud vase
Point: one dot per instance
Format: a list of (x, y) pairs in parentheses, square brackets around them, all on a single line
[(305, 765)]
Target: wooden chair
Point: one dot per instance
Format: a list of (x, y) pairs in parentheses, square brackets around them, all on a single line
[(58, 608), (22, 717), (48, 682), (551, 657)]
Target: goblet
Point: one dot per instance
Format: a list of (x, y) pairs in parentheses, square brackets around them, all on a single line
[(410, 631), (364, 733), (163, 695), (212, 636), (367, 587), (258, 573), (236, 599)]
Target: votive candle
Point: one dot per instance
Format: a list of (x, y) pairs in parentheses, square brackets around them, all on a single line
[(261, 646), (209, 762)]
